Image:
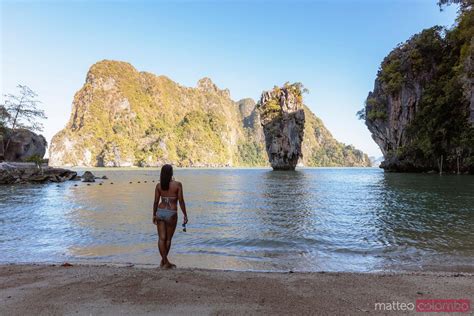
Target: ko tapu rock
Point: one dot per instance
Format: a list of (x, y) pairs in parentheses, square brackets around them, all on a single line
[(283, 118)]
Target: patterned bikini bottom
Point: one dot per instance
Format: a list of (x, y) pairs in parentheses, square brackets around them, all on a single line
[(166, 215)]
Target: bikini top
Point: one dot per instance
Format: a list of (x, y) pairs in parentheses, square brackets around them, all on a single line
[(167, 199)]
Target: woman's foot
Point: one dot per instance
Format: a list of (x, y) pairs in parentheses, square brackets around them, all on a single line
[(169, 265), (162, 264)]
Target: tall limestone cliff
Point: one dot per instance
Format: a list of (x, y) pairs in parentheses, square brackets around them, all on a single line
[(421, 111), (122, 117), (282, 118)]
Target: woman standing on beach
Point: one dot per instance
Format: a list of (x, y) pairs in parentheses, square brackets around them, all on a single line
[(165, 213)]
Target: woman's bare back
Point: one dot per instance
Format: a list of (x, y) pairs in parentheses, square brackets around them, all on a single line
[(169, 198)]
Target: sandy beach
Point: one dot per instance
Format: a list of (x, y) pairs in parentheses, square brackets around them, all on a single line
[(111, 290)]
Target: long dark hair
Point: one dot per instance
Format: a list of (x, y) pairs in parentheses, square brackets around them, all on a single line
[(165, 177)]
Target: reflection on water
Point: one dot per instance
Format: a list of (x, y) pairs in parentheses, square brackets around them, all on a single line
[(250, 219)]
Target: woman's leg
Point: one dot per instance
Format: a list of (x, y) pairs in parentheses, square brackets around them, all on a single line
[(170, 229), (162, 242)]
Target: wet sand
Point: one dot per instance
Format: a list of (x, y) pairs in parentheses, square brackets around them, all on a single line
[(112, 290)]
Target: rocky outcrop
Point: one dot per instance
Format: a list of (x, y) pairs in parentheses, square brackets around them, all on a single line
[(388, 116), (420, 111), (282, 118), (123, 117), (13, 173), (206, 85), (88, 177), (21, 144)]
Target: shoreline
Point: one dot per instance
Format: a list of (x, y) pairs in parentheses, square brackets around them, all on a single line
[(427, 270), (157, 168), (106, 289), (208, 168)]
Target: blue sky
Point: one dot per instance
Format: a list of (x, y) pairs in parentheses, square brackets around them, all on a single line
[(333, 47)]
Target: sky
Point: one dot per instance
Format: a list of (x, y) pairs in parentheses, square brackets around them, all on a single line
[(333, 47)]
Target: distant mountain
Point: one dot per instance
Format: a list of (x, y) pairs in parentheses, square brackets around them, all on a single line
[(122, 117)]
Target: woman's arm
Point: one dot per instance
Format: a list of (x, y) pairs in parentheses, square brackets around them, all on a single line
[(156, 202), (181, 202)]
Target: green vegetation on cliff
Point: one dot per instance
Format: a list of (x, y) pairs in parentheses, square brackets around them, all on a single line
[(122, 117), (272, 108), (424, 98), (320, 149)]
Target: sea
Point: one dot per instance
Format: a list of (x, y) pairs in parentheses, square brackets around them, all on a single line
[(312, 219)]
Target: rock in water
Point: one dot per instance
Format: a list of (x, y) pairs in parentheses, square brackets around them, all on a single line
[(282, 117), (16, 172), (22, 144), (88, 177)]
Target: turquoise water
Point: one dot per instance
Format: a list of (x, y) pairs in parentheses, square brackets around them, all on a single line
[(332, 219)]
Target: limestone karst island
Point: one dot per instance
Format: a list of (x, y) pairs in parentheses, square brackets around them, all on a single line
[(122, 117), (421, 110), (271, 157)]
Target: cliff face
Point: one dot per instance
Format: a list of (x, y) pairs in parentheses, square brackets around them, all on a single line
[(421, 111), (252, 150), (282, 118), (122, 117)]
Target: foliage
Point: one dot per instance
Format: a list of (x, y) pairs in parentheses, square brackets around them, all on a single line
[(411, 59), (463, 4), (320, 149), (201, 137), (297, 89), (36, 159), (22, 110), (442, 126), (272, 109), (436, 66), (391, 75), (376, 109), (252, 154), (4, 118)]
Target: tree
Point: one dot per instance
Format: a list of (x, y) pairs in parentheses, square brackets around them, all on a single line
[(4, 117), (3, 121), (37, 160), (463, 4), (22, 111)]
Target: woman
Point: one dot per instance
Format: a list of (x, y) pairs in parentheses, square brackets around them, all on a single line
[(165, 213)]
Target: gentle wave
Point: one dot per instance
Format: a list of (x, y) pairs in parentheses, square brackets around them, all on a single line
[(331, 219)]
